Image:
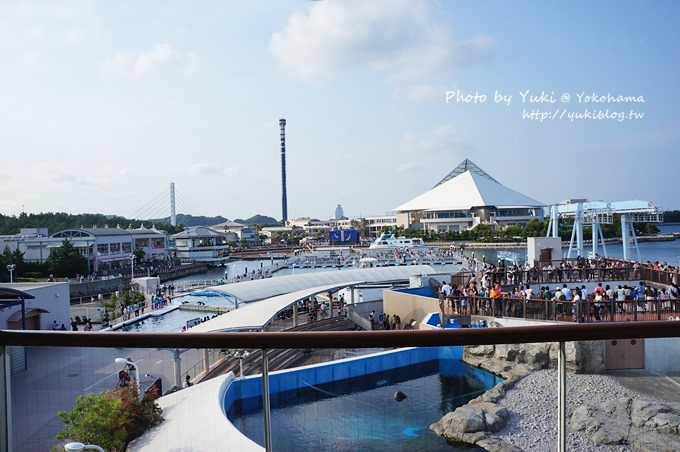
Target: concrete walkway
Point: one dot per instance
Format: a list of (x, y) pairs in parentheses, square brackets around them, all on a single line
[(665, 387)]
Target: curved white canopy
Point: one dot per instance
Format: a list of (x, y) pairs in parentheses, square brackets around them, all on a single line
[(254, 316), (259, 289)]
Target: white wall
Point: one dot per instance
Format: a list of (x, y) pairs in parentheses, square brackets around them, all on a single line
[(52, 297), (536, 244), (662, 355)]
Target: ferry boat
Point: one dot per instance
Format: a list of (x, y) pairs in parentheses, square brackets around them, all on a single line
[(390, 241)]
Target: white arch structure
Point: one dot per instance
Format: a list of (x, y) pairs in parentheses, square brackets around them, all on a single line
[(595, 213)]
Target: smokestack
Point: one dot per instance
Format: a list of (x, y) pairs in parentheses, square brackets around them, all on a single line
[(284, 201)]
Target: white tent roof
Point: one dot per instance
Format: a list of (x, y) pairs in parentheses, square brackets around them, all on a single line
[(259, 289), (468, 190), (254, 316)]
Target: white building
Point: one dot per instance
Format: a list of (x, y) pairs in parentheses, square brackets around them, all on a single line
[(203, 244), (107, 248), (465, 198), (49, 303), (102, 247)]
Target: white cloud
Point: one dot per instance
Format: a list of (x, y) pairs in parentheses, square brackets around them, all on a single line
[(407, 167), (163, 59), (205, 169), (403, 38), (439, 142), (202, 169)]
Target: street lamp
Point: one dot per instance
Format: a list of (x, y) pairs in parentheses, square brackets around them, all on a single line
[(240, 355), (11, 268), (134, 366)]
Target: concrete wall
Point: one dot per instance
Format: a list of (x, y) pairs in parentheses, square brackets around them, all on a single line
[(536, 244), (663, 354), (52, 297), (408, 306)]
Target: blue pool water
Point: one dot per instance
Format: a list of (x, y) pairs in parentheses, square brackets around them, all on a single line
[(360, 413), (172, 321)]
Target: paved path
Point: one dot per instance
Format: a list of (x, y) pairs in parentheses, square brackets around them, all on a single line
[(661, 386), (57, 376)]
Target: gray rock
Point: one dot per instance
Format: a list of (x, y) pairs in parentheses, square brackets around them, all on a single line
[(656, 442), (608, 423), (645, 425), (470, 418)]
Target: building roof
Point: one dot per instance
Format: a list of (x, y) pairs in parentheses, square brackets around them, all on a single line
[(259, 289), (467, 190), (198, 231), (229, 225), (465, 165), (254, 316)]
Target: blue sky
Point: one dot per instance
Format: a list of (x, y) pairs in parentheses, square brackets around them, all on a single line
[(103, 104)]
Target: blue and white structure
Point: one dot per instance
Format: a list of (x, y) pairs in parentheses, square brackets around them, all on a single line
[(595, 213)]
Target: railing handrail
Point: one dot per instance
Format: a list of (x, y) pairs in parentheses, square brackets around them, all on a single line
[(348, 339)]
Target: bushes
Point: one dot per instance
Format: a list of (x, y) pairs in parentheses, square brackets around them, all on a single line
[(111, 419)]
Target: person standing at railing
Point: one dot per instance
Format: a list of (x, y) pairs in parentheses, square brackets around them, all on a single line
[(496, 294)]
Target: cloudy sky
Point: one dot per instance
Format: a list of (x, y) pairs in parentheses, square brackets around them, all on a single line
[(104, 104)]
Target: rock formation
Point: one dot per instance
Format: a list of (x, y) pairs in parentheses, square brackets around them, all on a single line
[(642, 424)]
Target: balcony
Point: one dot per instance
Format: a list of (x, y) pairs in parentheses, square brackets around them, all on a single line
[(62, 365)]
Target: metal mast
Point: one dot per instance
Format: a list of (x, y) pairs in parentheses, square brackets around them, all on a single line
[(173, 216), (284, 201)]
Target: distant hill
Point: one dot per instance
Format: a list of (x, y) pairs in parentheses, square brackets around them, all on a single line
[(262, 220)]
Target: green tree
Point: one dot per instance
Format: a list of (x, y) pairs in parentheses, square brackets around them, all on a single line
[(96, 419), (111, 419), (66, 261), (139, 255), (8, 257)]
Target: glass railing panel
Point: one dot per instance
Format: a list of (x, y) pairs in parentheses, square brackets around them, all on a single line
[(370, 387)]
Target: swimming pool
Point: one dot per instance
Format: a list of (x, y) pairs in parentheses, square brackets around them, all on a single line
[(166, 322), (208, 298), (360, 412)]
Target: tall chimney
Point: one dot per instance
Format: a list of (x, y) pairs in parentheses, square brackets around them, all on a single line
[(284, 201)]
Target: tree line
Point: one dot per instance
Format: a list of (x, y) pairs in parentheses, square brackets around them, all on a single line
[(517, 233), (58, 221)]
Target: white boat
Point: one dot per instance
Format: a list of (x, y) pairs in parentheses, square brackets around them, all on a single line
[(390, 241)]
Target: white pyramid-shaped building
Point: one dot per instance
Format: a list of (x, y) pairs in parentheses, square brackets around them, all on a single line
[(466, 197)]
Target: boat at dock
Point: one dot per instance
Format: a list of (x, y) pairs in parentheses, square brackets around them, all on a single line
[(391, 241)]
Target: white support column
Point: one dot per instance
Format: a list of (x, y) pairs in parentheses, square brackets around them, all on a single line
[(266, 408), (561, 399), (634, 240), (624, 235), (595, 227), (578, 223), (555, 220), (177, 367), (206, 361), (571, 240), (604, 244), (173, 216), (5, 401)]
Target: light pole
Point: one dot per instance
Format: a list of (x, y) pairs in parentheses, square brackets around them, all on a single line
[(240, 355), (134, 366), (132, 270), (11, 268)]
